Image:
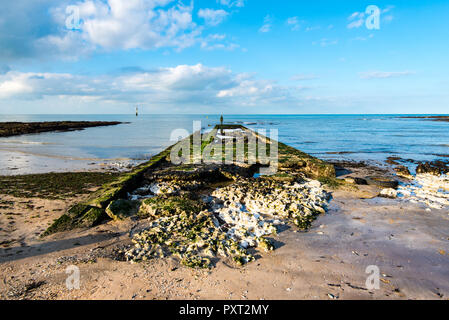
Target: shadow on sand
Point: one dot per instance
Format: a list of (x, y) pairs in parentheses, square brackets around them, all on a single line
[(17, 253)]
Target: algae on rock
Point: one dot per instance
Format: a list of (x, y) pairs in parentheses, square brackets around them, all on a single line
[(120, 209)]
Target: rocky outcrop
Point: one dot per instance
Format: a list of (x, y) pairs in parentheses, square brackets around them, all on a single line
[(403, 171), (79, 216), (435, 168), (428, 189), (8, 129), (382, 181), (356, 180)]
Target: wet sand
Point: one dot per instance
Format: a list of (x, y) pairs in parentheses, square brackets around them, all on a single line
[(408, 244)]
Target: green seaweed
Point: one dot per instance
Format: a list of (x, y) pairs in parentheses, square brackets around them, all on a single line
[(120, 209), (53, 185), (162, 207)]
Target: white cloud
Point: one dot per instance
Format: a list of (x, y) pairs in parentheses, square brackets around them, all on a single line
[(218, 41), (312, 28), (326, 42), (125, 24), (357, 20), (184, 84), (384, 75), (294, 23), (388, 9), (14, 86), (303, 77), (267, 24), (232, 3), (38, 29), (370, 36), (212, 17)]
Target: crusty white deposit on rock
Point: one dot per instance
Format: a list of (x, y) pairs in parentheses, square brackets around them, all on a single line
[(154, 189), (431, 190), (239, 216), (298, 201)]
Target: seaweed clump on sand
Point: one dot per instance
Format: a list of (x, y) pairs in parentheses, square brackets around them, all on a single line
[(54, 185)]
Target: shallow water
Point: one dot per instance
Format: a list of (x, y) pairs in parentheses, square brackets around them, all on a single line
[(352, 137)]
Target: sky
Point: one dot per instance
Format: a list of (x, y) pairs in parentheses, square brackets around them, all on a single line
[(224, 56)]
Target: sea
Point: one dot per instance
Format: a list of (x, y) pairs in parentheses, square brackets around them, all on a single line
[(369, 138)]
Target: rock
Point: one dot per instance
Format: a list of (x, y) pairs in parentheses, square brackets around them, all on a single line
[(350, 180), (435, 168), (389, 193), (428, 189), (162, 207), (392, 160), (402, 171), (382, 182), (78, 216), (120, 209), (360, 181), (356, 180)]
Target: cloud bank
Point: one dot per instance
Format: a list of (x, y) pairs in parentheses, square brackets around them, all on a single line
[(183, 84)]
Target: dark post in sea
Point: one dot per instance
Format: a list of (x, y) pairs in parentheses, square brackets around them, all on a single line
[(137, 111), (221, 124)]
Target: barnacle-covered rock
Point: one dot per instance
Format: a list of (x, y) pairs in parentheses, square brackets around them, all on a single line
[(158, 207), (300, 202)]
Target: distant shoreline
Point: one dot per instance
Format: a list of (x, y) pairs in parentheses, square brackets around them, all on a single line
[(432, 118), (9, 129)]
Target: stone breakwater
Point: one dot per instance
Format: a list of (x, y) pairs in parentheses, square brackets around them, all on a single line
[(235, 218), (201, 211), (429, 189)]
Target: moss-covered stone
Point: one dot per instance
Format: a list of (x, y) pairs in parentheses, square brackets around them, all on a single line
[(164, 207), (79, 216), (196, 262), (92, 217), (265, 244), (61, 224), (120, 209)]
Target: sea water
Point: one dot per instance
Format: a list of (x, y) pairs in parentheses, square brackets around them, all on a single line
[(370, 138)]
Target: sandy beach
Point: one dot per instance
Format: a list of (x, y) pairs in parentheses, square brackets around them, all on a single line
[(407, 242)]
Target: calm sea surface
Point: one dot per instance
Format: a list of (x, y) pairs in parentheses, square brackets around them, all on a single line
[(353, 137)]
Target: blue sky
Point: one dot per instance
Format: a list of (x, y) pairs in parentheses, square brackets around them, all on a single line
[(223, 56)]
